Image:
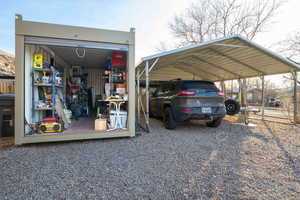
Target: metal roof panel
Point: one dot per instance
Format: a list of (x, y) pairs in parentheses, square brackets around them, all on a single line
[(226, 58)]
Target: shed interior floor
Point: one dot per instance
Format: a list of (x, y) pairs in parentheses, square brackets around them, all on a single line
[(82, 125)]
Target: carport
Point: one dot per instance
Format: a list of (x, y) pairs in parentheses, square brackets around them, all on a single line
[(228, 58)]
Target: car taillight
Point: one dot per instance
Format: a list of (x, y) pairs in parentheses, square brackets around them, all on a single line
[(221, 94), (186, 109), (186, 93)]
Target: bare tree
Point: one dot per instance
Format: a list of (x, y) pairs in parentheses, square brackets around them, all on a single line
[(290, 46), (210, 19), (289, 78)]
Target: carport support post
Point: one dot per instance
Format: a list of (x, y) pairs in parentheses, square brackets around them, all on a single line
[(242, 92), (147, 96), (231, 93), (295, 79), (262, 97), (223, 88), (138, 96)]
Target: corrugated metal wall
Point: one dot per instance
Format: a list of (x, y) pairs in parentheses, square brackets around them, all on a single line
[(7, 86), (96, 82)]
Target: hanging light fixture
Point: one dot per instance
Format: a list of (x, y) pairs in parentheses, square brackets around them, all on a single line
[(78, 54)]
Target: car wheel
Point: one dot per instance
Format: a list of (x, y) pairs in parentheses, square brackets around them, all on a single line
[(169, 120), (232, 107), (214, 123)]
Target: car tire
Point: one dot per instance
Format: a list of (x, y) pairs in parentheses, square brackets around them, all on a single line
[(214, 123), (168, 119), (232, 107)]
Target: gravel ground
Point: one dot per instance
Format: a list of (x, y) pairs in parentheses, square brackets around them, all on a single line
[(193, 162)]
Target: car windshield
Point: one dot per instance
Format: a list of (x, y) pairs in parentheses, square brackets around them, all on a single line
[(207, 86)]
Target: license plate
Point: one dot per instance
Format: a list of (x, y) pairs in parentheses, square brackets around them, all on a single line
[(206, 110)]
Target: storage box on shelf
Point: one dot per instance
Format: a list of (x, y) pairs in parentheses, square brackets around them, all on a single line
[(118, 59)]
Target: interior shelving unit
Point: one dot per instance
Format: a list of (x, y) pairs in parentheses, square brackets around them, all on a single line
[(36, 72)]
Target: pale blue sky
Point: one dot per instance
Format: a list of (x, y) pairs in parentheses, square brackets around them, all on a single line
[(149, 17), (102, 14)]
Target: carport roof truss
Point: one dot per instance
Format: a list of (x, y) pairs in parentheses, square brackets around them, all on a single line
[(228, 58)]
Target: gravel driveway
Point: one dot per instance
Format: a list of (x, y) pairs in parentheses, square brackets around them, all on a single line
[(193, 162)]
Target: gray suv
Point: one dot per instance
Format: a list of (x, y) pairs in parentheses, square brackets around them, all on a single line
[(182, 100)]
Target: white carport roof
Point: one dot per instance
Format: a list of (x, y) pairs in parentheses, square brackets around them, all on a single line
[(222, 59)]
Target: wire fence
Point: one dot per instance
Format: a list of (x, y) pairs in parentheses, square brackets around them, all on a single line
[(281, 113)]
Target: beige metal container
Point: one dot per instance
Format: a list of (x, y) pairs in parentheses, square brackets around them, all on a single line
[(28, 33)]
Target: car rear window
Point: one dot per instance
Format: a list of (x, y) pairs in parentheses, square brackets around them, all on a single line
[(209, 87)]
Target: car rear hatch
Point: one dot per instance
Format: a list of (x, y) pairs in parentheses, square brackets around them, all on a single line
[(199, 94)]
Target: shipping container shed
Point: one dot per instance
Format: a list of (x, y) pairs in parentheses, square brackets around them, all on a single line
[(73, 83), (229, 58)]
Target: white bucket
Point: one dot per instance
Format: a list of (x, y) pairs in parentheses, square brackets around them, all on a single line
[(123, 118)]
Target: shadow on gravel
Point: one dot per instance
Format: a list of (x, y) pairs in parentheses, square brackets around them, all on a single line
[(217, 175), (72, 142), (239, 163), (293, 162)]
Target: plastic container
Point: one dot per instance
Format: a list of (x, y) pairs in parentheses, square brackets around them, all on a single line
[(123, 118)]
